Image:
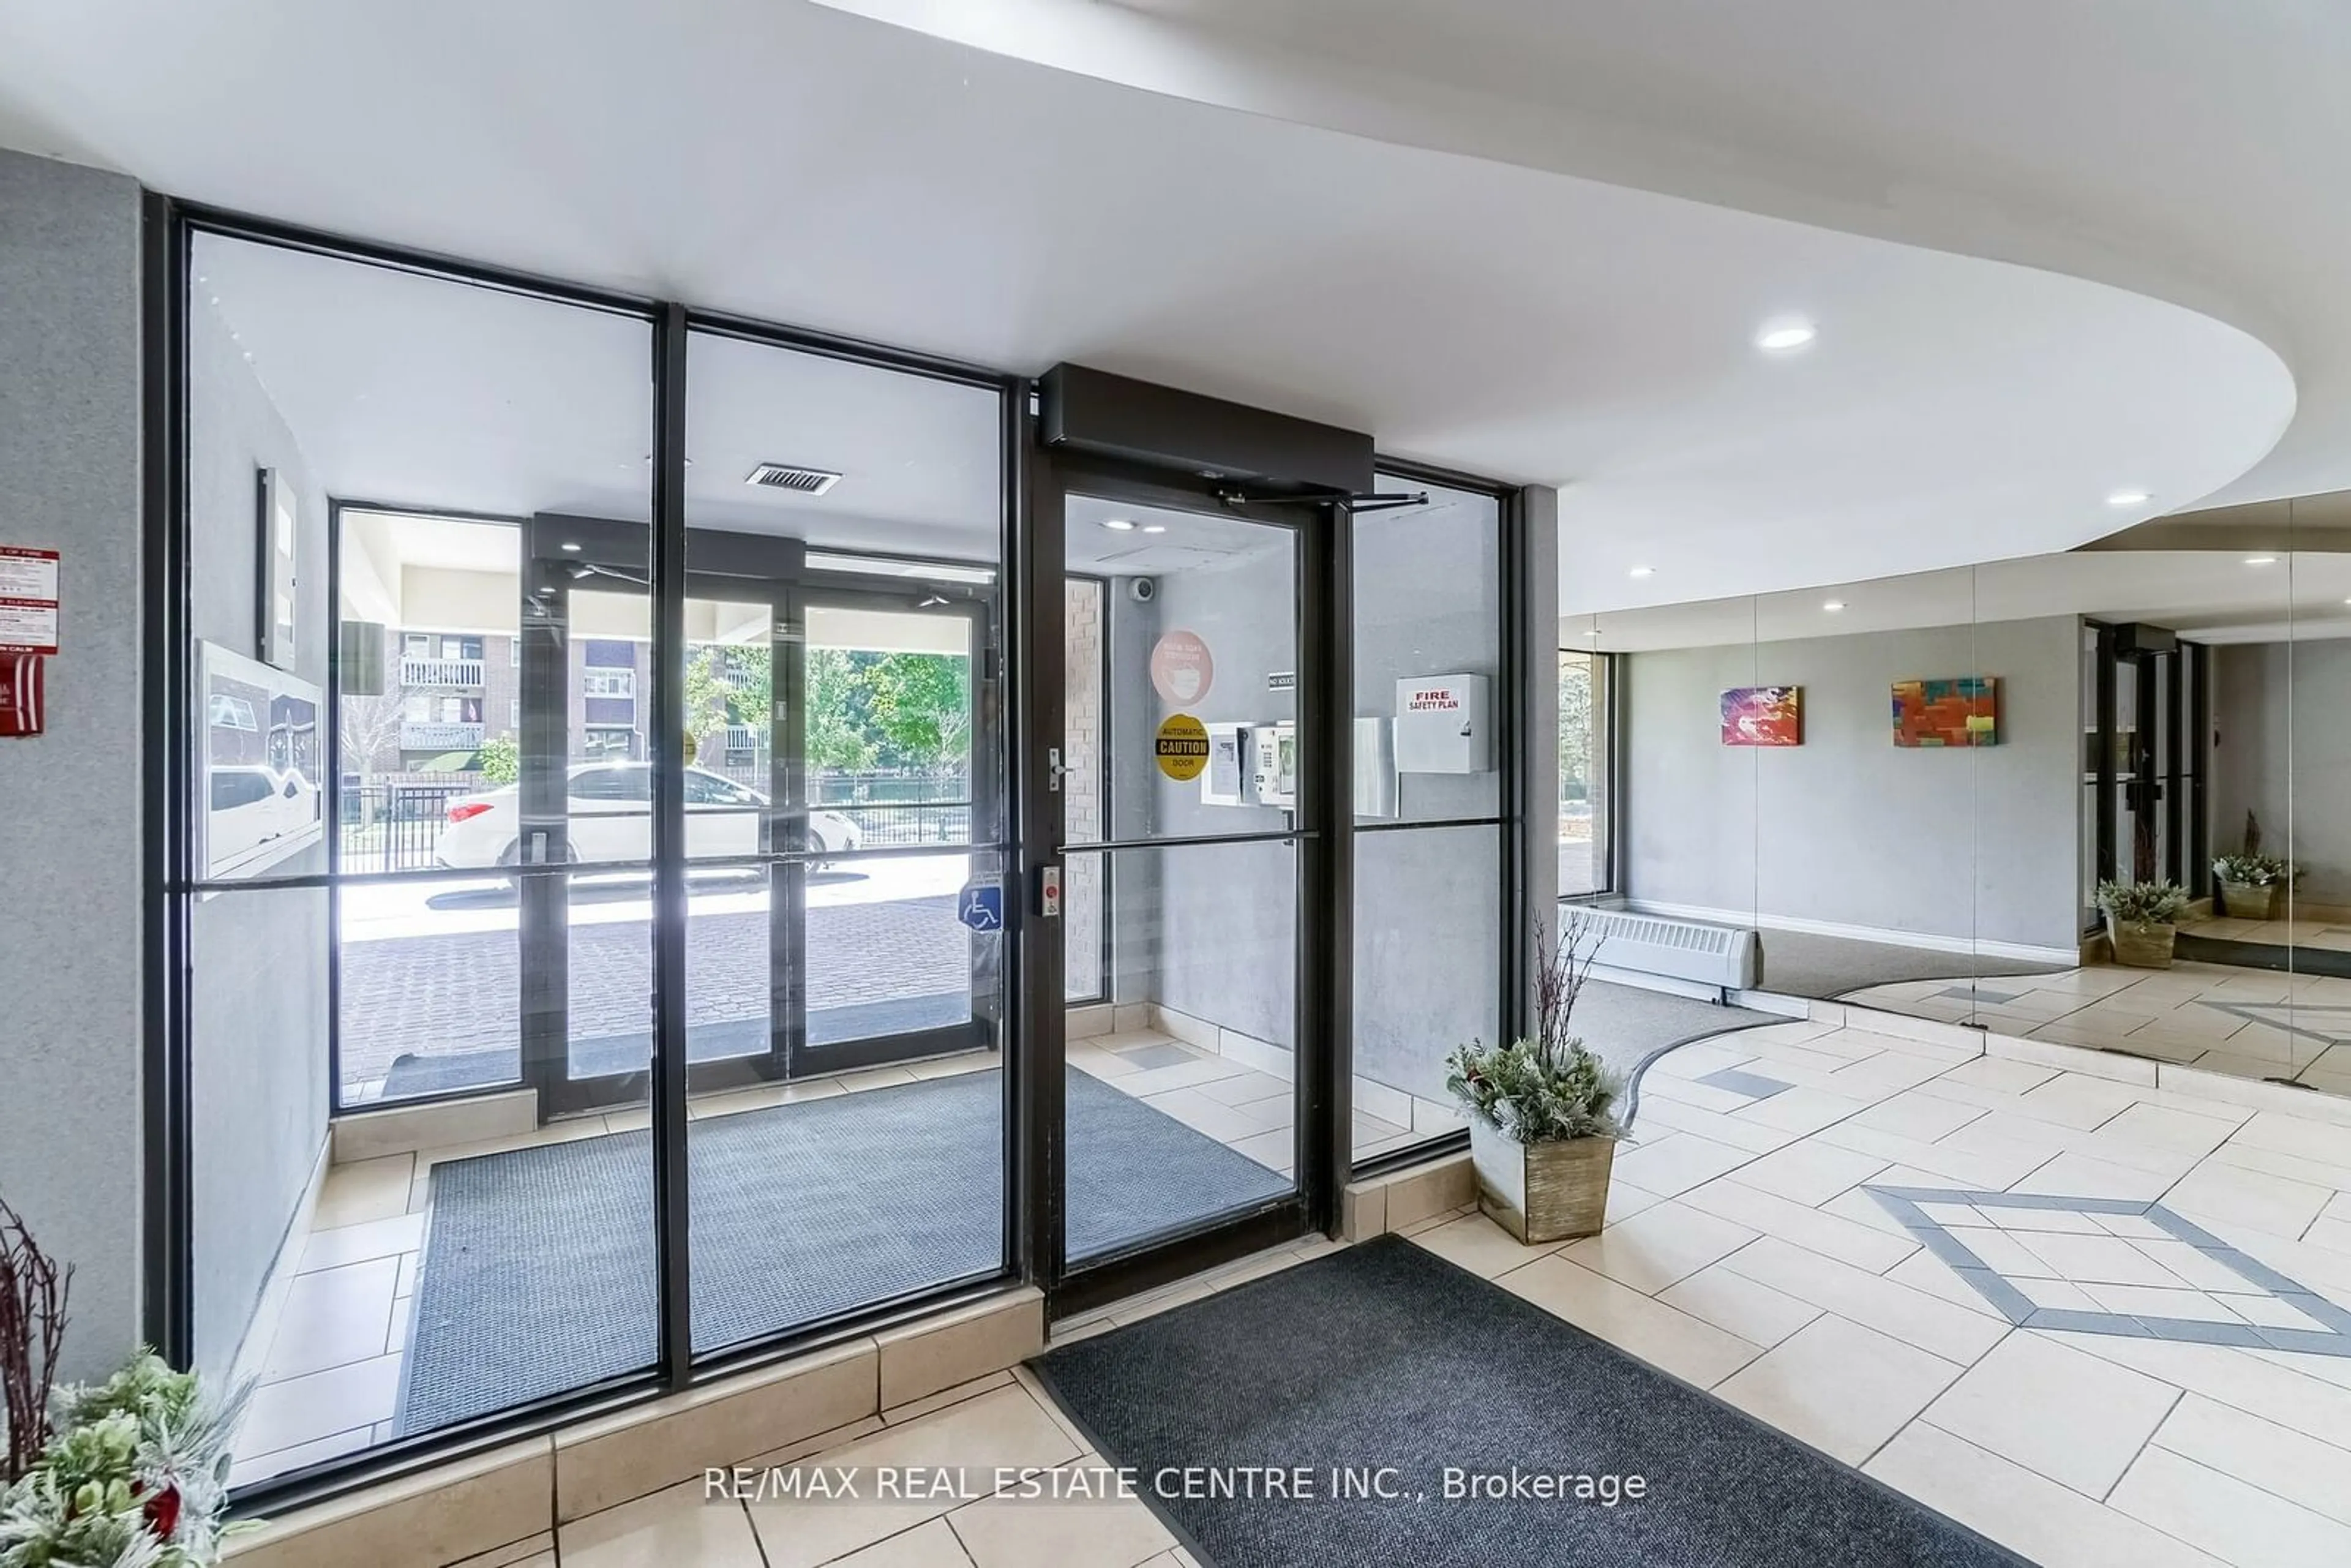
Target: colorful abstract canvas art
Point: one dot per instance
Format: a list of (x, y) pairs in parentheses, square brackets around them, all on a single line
[(1963, 711), (1763, 716)]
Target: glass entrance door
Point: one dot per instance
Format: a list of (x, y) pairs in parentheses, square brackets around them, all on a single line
[(897, 694), (1191, 814), (829, 797)]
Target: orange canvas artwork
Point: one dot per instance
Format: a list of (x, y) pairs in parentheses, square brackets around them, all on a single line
[(1962, 711)]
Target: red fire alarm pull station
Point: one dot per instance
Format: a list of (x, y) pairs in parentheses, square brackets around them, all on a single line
[(28, 634), (21, 699)]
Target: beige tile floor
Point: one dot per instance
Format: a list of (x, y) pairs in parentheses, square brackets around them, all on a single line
[(330, 1382), (1004, 1419), (2248, 1023), (1742, 1255)]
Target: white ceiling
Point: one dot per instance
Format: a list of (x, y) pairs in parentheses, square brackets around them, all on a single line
[(2212, 596), (789, 160), (2194, 151), (420, 392), (1183, 541)]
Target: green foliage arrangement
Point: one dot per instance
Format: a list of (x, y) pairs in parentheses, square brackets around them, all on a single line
[(2251, 870), (498, 760), (863, 709), (1548, 1086), (135, 1477), (2143, 902)]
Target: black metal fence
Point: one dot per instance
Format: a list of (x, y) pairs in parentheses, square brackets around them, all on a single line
[(393, 825)]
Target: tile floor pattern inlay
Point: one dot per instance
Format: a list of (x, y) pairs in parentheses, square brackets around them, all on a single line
[(2059, 1276), (1751, 1255)]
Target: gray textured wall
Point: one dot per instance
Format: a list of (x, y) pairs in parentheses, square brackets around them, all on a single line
[(1228, 916), (2283, 751), (69, 971), (258, 959), (1850, 828)]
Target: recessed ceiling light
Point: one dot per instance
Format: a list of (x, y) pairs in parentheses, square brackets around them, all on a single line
[(1833, 604), (1782, 336), (2261, 561), (1595, 631), (1117, 525), (1643, 570), (2128, 498), (571, 548), (1154, 528)]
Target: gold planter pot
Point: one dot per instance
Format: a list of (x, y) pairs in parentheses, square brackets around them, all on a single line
[(2251, 900), (1541, 1192), (2141, 946)]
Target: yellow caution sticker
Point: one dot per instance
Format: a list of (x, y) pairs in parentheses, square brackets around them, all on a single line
[(1182, 747)]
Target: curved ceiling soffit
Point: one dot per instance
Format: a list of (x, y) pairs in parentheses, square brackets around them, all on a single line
[(1623, 140), (1671, 430)]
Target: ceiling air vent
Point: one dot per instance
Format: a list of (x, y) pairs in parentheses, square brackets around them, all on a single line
[(793, 478)]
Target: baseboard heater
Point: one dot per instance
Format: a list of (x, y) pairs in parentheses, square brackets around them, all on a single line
[(1661, 947)]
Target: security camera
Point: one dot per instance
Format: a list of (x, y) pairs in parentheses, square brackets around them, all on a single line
[(1142, 590)]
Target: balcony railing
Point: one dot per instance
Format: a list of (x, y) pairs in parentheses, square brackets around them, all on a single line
[(418, 671), (440, 737)]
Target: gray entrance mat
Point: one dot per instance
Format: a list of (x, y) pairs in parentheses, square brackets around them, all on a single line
[(1386, 1356), (539, 1270), (418, 1072)]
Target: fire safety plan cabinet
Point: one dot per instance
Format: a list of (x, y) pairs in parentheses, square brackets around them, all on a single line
[(1444, 724)]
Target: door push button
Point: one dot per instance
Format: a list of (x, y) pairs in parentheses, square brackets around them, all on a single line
[(1049, 892)]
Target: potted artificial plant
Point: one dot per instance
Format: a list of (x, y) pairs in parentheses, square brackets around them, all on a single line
[(1542, 1132), (2142, 921), (129, 1473), (2250, 881), (2250, 885)]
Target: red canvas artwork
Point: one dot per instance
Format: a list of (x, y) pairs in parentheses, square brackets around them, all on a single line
[(1962, 711), (1763, 716)]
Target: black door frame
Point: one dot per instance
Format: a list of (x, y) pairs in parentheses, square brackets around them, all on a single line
[(1026, 691), (2169, 761), (169, 228), (598, 555), (984, 840), (1321, 832)]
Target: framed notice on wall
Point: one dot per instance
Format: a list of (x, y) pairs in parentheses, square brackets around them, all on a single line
[(276, 544), (258, 799)]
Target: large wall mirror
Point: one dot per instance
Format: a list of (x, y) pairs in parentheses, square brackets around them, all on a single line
[(2095, 799)]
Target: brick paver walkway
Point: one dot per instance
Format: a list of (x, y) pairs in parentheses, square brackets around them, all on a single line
[(445, 995)]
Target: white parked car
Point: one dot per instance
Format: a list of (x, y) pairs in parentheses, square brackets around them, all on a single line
[(250, 804), (609, 805)]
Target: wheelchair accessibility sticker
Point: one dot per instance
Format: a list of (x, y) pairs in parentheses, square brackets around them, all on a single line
[(982, 907)]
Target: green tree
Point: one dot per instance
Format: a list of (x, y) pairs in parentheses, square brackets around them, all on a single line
[(1575, 736), (838, 702), (922, 707), (498, 760), (727, 685)]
